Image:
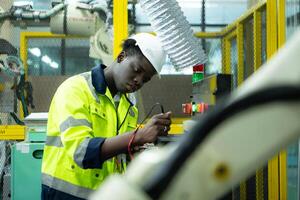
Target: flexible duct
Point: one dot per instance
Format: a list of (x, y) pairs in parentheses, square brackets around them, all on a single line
[(174, 32)]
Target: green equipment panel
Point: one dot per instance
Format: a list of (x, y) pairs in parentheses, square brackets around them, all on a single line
[(26, 170)]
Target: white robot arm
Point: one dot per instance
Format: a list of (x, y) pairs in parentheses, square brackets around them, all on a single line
[(226, 145), (84, 19), (80, 18)]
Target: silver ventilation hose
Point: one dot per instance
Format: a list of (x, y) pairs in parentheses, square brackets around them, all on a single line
[(174, 32)]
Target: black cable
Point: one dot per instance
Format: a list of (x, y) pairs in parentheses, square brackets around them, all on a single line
[(149, 113), (21, 96), (135, 132), (17, 120), (124, 119), (24, 106), (190, 142), (131, 104)]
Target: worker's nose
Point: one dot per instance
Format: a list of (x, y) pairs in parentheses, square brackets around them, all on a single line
[(137, 80)]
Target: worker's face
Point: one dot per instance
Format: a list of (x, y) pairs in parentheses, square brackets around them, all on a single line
[(132, 73)]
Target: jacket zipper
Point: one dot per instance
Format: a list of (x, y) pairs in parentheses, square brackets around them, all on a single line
[(116, 111)]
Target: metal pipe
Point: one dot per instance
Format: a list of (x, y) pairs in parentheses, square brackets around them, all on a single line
[(5, 15), (31, 14)]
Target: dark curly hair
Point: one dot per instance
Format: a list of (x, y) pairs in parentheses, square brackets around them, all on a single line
[(131, 49)]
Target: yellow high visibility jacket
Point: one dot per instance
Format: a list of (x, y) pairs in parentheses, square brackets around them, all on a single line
[(82, 114)]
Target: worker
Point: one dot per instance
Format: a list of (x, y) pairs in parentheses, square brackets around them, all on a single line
[(92, 121)]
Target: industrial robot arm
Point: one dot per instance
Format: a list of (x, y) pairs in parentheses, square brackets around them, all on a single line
[(226, 145), (87, 19), (84, 18)]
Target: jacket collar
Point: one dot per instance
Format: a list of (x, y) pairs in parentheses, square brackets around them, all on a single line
[(99, 83), (98, 79)]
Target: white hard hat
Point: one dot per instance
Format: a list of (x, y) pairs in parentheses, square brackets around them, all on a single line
[(151, 49)]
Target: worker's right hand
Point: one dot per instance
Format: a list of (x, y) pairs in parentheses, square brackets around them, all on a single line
[(158, 125)]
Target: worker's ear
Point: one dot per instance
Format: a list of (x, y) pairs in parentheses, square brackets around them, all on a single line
[(121, 56)]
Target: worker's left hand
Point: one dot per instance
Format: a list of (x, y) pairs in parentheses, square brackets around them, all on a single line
[(157, 126)]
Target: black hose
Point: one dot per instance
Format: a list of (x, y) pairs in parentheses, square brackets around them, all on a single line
[(17, 120), (24, 106), (190, 142), (21, 96)]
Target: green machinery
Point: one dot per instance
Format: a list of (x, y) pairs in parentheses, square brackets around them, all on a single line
[(26, 159)]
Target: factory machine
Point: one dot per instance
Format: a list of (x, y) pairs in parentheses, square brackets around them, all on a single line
[(208, 151), (22, 134), (20, 161), (13, 86), (26, 159), (219, 151), (81, 19)]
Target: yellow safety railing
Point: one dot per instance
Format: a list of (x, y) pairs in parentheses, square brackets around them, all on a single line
[(12, 132), (275, 37), (24, 37), (275, 34), (120, 20), (283, 155)]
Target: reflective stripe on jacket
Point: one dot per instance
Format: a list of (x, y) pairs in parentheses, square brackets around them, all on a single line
[(82, 114)]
